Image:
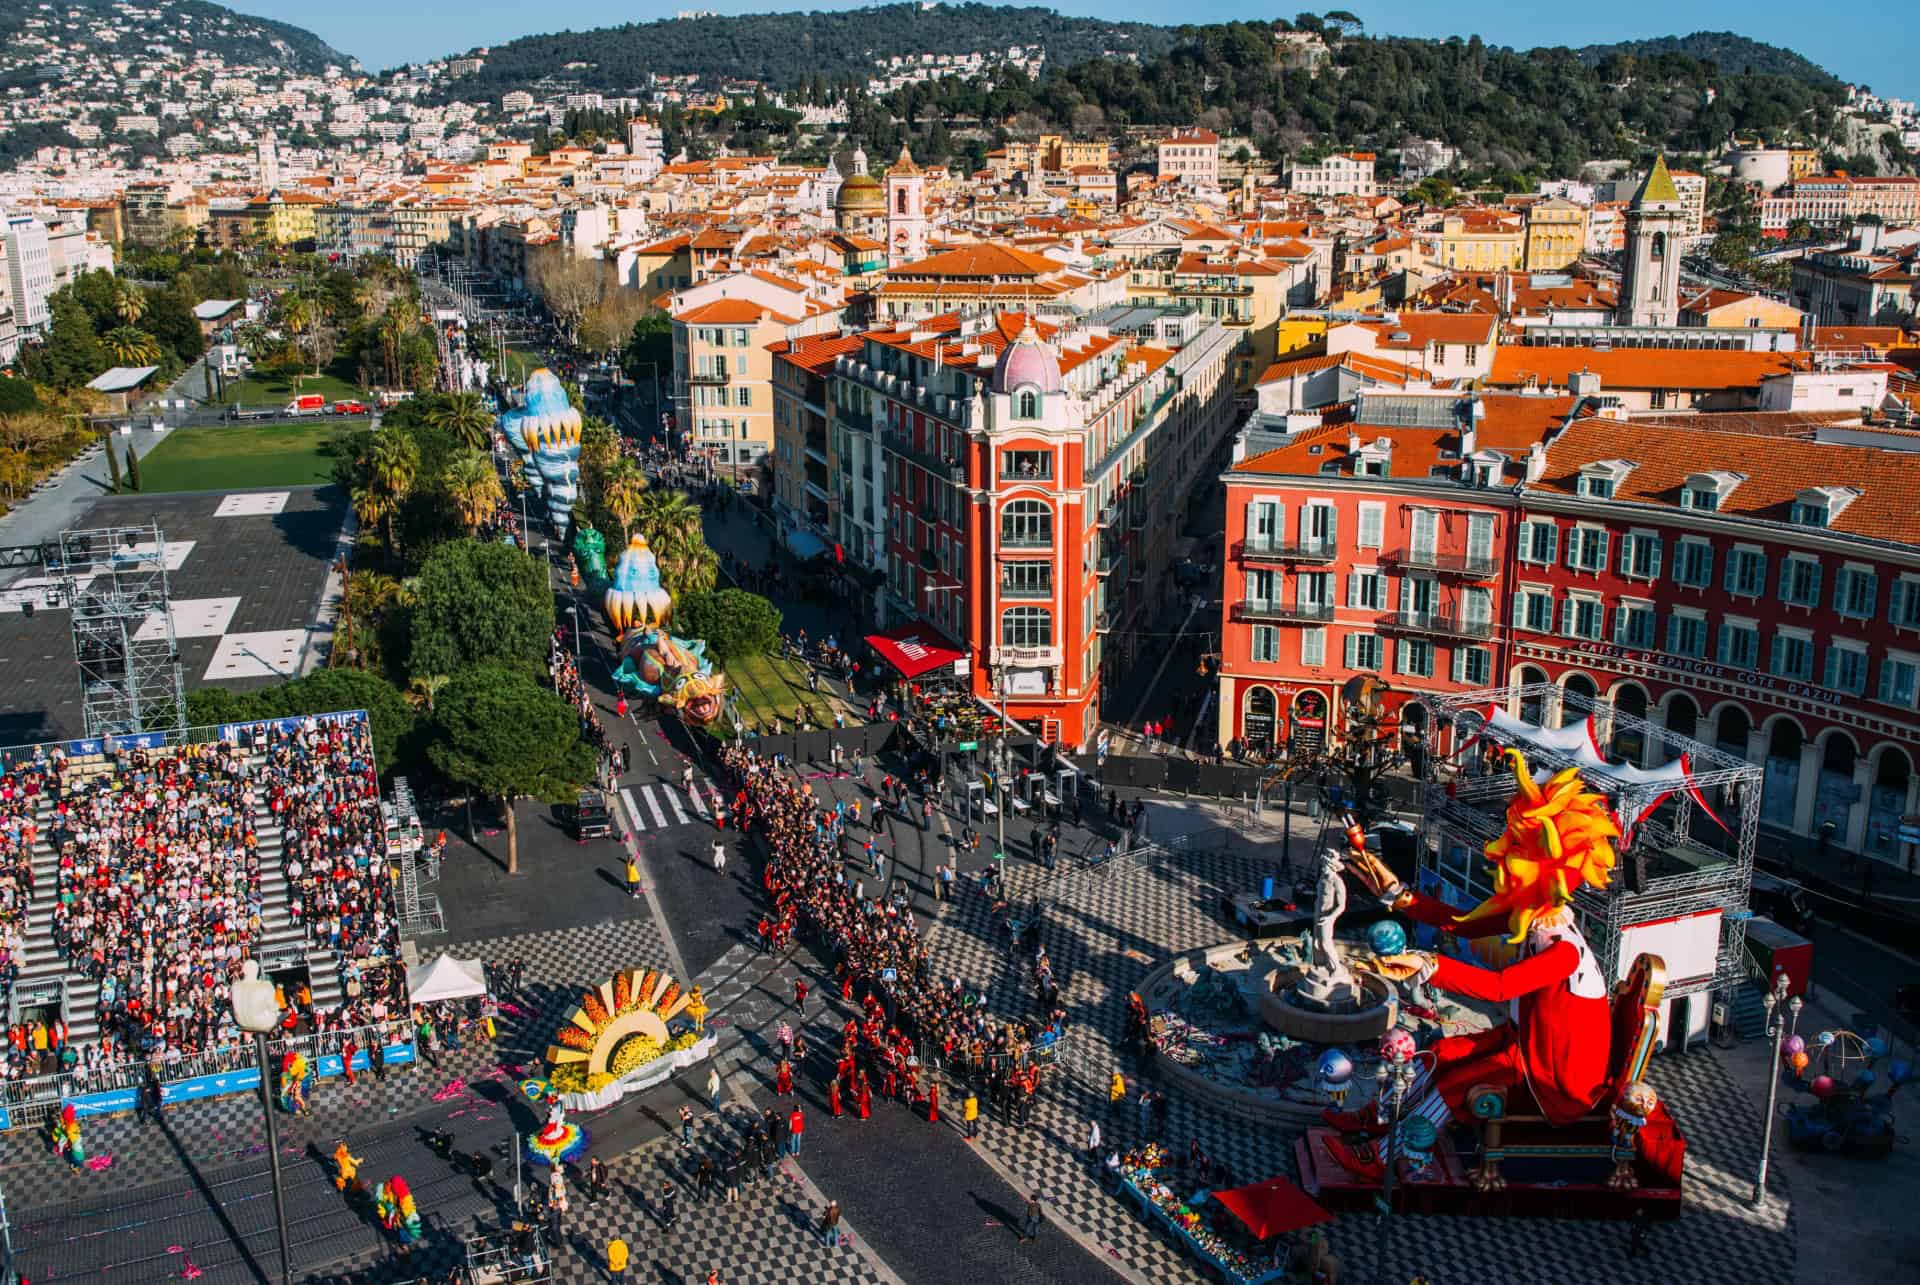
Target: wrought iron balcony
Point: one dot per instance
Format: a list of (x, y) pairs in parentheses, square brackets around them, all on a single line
[(1255, 610), (1458, 564), (1269, 549), (1445, 624)]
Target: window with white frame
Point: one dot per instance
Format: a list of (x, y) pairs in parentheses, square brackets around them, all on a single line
[(1846, 669), (1584, 616), (1367, 589), (1263, 587), (1026, 627), (1539, 540), (1640, 555), (1800, 580), (1266, 644), (1587, 549), (1687, 633), (1634, 623), (1693, 562), (1364, 651), (1739, 643), (1472, 665), (1373, 522), (1903, 604), (1899, 679), (1415, 657), (1746, 571), (1533, 610), (1313, 646), (1792, 655), (1026, 523), (1856, 591)]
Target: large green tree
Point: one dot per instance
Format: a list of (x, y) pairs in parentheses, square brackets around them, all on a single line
[(478, 602), (735, 623), (501, 734)]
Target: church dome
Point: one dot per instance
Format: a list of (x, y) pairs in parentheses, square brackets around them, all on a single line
[(1028, 361), (861, 194)]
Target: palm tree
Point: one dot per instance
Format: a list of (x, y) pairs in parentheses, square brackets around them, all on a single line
[(296, 312), (129, 302), (623, 493), (374, 506), (130, 347), (694, 571), (474, 487), (671, 523), (465, 416), (364, 597), (391, 469), (421, 692)]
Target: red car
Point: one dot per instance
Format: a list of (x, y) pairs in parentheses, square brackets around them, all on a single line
[(349, 408)]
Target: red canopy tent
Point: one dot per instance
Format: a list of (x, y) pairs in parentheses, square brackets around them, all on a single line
[(915, 650), (1273, 1208)]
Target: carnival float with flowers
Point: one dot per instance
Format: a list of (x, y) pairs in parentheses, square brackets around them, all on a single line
[(624, 1035)]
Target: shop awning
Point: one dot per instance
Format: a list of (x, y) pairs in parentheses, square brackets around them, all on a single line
[(804, 544), (1272, 1208), (915, 650)]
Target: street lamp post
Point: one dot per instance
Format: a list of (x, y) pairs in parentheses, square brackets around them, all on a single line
[(1780, 1010), (257, 1013)]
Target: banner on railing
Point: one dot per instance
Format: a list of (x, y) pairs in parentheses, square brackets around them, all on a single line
[(240, 1080)]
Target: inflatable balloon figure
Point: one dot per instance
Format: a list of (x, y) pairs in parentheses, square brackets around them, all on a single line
[(546, 433), (675, 672), (296, 1080), (398, 1214), (1558, 836), (66, 1137), (590, 554)]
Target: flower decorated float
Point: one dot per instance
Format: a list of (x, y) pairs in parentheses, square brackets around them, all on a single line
[(619, 1040)]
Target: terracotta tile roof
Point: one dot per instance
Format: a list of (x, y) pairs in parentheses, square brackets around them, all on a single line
[(1423, 328), (1511, 425), (1758, 423), (1776, 470), (984, 259), (729, 312), (1691, 368), (815, 353)]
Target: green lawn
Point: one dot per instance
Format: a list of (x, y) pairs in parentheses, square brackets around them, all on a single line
[(774, 686), (266, 390), (519, 365), (212, 459)]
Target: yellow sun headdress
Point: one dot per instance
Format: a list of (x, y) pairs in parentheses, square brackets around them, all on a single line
[(1557, 837)]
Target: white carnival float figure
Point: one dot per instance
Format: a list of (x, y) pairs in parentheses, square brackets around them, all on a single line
[(545, 430)]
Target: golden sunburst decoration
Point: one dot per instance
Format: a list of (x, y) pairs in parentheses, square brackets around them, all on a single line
[(635, 1004)]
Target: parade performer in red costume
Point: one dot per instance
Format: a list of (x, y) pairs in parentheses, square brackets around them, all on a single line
[(1558, 836)]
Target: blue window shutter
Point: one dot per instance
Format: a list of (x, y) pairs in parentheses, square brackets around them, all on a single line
[(1814, 597), (1731, 577), (1553, 543), (1653, 566), (1786, 579), (1832, 672)]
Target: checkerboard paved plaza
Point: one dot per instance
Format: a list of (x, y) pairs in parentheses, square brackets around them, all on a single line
[(1109, 932)]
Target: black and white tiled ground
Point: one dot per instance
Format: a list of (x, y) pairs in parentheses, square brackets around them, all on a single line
[(1105, 934)]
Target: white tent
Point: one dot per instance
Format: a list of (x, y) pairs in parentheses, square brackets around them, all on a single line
[(446, 978)]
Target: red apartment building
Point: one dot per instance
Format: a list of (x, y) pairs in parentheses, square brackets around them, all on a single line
[(1357, 548), (1752, 590), (1027, 475)]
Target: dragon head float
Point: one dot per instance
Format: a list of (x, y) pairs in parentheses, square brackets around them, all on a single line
[(676, 673), (1559, 836)]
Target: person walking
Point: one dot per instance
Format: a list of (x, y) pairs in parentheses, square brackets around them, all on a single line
[(686, 1125), (1116, 1092), (633, 876), (719, 857), (800, 996), (1030, 1221), (736, 1165), (596, 1180), (377, 1059), (796, 1129), (669, 1206), (713, 1087), (1093, 1140), (970, 1113), (830, 1225), (617, 1255)]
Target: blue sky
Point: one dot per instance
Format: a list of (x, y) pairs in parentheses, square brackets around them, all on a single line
[(1879, 51)]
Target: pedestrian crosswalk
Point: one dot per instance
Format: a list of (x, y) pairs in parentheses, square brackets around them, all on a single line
[(661, 806)]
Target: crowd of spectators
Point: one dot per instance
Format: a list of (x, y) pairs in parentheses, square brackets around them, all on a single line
[(158, 890), (875, 947)]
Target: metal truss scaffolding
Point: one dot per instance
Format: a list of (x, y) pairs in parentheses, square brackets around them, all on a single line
[(1665, 871), (412, 861), (115, 579)]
